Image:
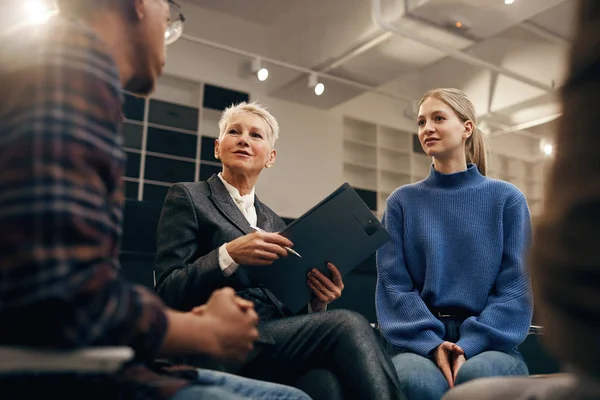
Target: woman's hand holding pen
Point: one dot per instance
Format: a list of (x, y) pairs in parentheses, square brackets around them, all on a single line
[(258, 248)]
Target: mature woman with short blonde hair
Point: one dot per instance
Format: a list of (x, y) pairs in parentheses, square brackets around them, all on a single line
[(207, 239)]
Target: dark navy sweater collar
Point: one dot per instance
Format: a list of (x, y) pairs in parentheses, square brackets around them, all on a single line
[(467, 178)]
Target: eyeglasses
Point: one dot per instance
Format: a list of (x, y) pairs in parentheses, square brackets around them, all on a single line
[(175, 28)]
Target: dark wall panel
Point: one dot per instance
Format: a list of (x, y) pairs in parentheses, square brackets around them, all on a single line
[(132, 135), (132, 166), (133, 107), (173, 115), (155, 193), (206, 171), (207, 149), (219, 98), (173, 143), (168, 170)]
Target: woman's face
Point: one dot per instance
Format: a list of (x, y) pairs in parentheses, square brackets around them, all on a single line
[(441, 132), (244, 148)]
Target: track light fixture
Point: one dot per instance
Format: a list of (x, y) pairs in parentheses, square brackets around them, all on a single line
[(261, 73), (313, 83)]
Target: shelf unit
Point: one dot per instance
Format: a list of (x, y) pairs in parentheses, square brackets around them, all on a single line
[(527, 175), (379, 159), (169, 137)]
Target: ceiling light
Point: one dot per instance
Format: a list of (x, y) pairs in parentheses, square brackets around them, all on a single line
[(509, 1), (313, 82), (261, 73), (38, 11), (458, 24), (546, 147), (319, 89)]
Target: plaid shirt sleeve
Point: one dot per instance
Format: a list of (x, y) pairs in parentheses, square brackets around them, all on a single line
[(61, 196)]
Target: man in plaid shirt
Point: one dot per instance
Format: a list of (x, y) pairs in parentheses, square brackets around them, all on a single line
[(61, 196)]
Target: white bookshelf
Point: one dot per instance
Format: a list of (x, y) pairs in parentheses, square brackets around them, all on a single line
[(380, 158), (527, 174)]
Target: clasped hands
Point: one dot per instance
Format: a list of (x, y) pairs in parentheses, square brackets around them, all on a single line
[(449, 358), (232, 321), (263, 248)]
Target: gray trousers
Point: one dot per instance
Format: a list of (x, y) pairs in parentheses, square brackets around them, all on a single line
[(339, 341)]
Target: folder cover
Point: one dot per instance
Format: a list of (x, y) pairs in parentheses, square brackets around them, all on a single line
[(340, 229)]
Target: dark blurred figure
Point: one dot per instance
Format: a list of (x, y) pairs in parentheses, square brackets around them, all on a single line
[(61, 197), (565, 260)]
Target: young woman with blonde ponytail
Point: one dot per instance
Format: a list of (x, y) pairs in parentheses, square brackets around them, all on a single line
[(453, 295)]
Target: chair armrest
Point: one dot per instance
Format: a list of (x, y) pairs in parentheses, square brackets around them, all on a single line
[(536, 330), (102, 360)]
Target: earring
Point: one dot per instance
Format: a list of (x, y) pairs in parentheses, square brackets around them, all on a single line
[(216, 156)]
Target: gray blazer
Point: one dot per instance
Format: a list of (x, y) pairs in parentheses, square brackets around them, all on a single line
[(196, 219)]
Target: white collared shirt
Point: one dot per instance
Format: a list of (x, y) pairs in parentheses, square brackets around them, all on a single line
[(246, 205)]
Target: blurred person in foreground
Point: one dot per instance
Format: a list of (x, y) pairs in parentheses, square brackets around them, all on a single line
[(61, 195)]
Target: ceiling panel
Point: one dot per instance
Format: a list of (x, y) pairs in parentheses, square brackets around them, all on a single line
[(560, 20), (299, 92), (386, 62), (480, 18), (264, 12), (548, 130)]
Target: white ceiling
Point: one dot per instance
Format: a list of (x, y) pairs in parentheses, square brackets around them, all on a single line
[(340, 37), (528, 39), (559, 20), (264, 12)]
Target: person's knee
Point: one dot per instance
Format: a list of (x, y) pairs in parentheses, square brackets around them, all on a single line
[(469, 372), (409, 364), (349, 321), (489, 364), (419, 377)]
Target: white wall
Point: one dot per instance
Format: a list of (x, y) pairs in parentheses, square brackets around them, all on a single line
[(309, 158)]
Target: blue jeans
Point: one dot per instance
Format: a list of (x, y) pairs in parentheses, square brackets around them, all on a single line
[(421, 379), (215, 385)]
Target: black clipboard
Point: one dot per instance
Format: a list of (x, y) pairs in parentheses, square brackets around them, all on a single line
[(340, 229)]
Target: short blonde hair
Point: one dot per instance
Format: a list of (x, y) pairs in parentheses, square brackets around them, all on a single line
[(253, 108)]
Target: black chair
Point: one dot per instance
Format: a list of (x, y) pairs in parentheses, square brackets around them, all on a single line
[(538, 360), (138, 250)]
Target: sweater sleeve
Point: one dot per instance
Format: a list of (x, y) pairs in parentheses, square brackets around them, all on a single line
[(403, 317), (504, 322)]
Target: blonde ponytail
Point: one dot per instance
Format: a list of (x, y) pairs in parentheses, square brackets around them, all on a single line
[(475, 151)]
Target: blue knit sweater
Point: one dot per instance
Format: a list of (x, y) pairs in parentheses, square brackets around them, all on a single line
[(458, 240)]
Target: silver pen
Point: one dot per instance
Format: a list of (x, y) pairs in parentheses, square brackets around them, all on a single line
[(289, 249)]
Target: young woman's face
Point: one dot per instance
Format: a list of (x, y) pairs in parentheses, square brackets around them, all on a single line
[(441, 132)]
